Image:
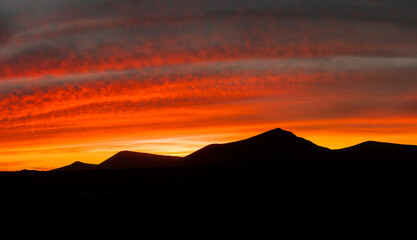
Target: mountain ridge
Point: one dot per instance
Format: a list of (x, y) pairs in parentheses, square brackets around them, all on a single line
[(76, 166), (268, 146), (276, 147), (128, 159), (123, 160)]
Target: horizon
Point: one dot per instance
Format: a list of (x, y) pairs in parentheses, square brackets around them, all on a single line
[(80, 80), (188, 153)]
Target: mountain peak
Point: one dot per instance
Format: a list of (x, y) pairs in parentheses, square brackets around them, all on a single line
[(278, 131), (380, 147), (269, 147), (136, 160), (274, 135), (125, 153), (77, 163), (77, 166)]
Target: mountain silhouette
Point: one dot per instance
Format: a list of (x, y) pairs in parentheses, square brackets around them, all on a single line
[(124, 160), (277, 148), (77, 166), (136, 160), (272, 166), (373, 154), (270, 147)]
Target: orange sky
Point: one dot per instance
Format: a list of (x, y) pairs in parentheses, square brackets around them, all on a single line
[(82, 80)]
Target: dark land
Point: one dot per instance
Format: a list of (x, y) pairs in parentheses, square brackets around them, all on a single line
[(275, 168)]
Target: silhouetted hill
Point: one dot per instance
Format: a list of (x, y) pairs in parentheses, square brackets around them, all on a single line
[(373, 154), (124, 160), (136, 160), (271, 147), (77, 166)]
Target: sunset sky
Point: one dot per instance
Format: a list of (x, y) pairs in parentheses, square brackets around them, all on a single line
[(83, 79)]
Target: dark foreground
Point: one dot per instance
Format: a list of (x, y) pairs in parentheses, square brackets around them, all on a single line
[(208, 187)]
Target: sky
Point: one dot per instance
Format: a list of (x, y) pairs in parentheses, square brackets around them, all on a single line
[(83, 79)]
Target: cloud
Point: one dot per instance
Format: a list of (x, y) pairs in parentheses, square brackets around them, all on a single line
[(5, 25), (204, 83), (218, 25)]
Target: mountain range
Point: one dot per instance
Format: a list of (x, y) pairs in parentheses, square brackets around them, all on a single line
[(273, 169), (277, 148)]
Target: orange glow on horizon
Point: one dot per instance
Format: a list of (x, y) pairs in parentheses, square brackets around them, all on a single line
[(183, 142)]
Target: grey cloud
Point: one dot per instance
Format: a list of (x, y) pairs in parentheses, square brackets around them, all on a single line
[(348, 74), (6, 26), (399, 12), (43, 16)]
